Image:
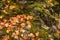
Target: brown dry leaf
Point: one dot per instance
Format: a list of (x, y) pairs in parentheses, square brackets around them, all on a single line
[(5, 20), (6, 6), (50, 1), (1, 27), (13, 34), (29, 26), (22, 30), (58, 31), (4, 11), (6, 38), (7, 24), (28, 22), (37, 33), (16, 37), (7, 31), (25, 37), (3, 0), (38, 38), (8, 1), (21, 7), (17, 32), (12, 7), (31, 35), (1, 17), (15, 19), (31, 17), (25, 16), (28, 18), (18, 16), (23, 25), (32, 39), (22, 20)]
